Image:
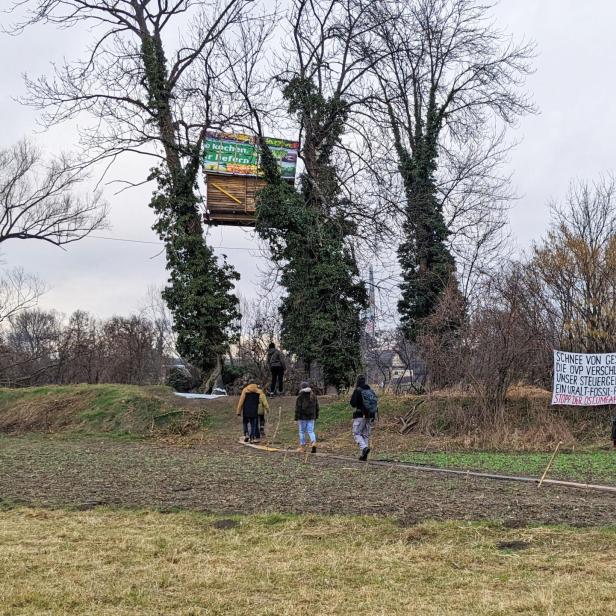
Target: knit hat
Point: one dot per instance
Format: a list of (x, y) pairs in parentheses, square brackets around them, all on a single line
[(361, 380), (304, 385)]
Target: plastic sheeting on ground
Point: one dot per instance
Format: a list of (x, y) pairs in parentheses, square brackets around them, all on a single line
[(200, 396)]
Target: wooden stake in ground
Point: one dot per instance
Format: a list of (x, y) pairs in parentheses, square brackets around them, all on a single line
[(271, 442), (547, 468)]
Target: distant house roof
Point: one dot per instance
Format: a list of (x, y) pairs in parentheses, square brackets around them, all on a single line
[(387, 357)]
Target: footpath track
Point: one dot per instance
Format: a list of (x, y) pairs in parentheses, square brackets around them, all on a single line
[(434, 469)]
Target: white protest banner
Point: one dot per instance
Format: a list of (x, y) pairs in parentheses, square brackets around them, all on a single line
[(584, 379)]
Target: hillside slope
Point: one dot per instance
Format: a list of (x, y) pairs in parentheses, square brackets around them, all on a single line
[(447, 420), (121, 410)]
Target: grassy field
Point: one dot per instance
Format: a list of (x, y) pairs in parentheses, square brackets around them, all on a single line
[(131, 412), (587, 467), (121, 562), (126, 500)]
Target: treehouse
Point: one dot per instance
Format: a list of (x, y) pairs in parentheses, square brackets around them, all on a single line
[(231, 164), (231, 199)]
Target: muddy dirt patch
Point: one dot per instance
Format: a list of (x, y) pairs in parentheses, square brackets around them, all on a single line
[(61, 472)]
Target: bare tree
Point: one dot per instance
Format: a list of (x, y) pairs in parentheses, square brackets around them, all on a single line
[(508, 340), (155, 310), (18, 291), (38, 198), (576, 266), (80, 350), (151, 96), (130, 353), (29, 355), (259, 326)]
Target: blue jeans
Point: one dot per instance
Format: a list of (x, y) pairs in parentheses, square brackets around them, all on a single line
[(252, 433), (306, 426)]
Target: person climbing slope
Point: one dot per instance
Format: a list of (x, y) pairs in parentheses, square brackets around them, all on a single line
[(248, 407), (306, 414), (365, 403)]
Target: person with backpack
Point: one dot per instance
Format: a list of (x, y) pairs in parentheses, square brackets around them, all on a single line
[(365, 404), (306, 414), (277, 366), (248, 407)]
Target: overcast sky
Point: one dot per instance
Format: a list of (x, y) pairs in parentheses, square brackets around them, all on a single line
[(571, 137)]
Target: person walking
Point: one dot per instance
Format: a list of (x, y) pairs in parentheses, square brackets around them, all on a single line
[(248, 407), (261, 423), (365, 403), (306, 414), (277, 366)]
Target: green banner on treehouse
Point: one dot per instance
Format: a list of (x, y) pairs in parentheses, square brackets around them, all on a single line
[(238, 154)]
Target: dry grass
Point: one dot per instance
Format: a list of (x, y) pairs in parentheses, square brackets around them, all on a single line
[(454, 419), (120, 410), (449, 419), (102, 562)]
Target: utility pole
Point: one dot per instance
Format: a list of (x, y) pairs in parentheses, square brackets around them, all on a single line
[(371, 313)]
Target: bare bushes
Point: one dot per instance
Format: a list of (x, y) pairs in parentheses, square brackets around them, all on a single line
[(507, 338), (442, 339), (38, 347), (452, 418)]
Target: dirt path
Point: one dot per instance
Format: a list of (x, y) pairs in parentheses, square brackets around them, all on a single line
[(233, 479)]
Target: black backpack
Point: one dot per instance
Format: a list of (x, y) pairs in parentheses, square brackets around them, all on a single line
[(370, 401)]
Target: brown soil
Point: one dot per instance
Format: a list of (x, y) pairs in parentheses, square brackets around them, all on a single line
[(230, 478)]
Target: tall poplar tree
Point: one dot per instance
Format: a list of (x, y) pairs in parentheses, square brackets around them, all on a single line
[(446, 76), (308, 228)]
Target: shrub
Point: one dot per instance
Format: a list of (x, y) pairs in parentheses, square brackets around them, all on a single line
[(180, 380)]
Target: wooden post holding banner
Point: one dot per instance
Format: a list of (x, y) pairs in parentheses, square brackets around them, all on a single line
[(547, 468)]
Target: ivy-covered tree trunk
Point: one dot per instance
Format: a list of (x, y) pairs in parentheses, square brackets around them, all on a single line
[(155, 99), (200, 291), (426, 263), (309, 236)]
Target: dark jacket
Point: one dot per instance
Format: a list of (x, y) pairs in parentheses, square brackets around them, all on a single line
[(357, 402), (275, 359), (306, 405)]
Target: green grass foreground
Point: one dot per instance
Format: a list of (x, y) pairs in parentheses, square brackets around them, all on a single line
[(126, 562), (586, 467)]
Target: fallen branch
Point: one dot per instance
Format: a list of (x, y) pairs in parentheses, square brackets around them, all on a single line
[(411, 419)]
